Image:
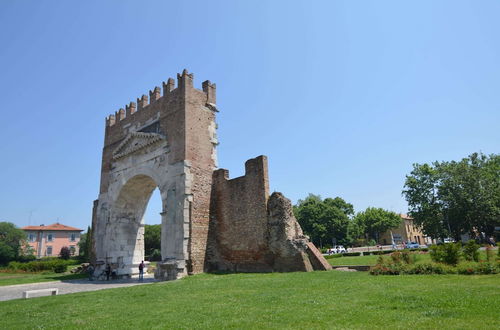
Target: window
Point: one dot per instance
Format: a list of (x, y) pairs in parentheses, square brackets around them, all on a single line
[(31, 237), (72, 237), (72, 249), (50, 237), (49, 250)]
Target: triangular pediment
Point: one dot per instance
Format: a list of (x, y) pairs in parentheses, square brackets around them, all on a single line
[(136, 141)]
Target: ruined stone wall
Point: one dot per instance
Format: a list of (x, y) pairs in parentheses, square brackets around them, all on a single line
[(240, 219), (253, 232)]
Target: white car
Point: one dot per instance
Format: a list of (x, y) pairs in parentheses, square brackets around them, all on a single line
[(337, 249)]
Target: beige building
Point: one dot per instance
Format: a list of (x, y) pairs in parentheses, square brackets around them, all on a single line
[(406, 232)]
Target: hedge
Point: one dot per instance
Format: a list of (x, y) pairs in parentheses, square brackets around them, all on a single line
[(52, 264), (351, 254)]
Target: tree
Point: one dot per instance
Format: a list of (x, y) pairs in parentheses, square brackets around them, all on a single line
[(455, 198), (6, 253), (152, 239), (85, 245), (11, 241), (324, 220), (374, 221)]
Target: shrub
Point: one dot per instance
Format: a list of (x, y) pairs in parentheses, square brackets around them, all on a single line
[(396, 257), (429, 268), (65, 253), (26, 258), (407, 257), (471, 252), (60, 268), (352, 254), (155, 255), (447, 253), (471, 268), (387, 269), (40, 265), (490, 254)]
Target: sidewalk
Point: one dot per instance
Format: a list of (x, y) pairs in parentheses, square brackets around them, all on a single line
[(71, 286)]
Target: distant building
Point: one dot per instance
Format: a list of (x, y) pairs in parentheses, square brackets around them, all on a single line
[(48, 240), (406, 232)]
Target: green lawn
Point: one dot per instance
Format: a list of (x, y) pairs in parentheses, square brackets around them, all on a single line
[(23, 278), (325, 300)]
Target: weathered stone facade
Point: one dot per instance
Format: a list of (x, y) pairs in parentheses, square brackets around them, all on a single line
[(170, 143)]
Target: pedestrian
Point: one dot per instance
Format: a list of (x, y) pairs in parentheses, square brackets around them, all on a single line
[(141, 271), (90, 271), (108, 271)]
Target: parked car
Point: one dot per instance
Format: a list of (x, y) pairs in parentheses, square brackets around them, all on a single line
[(412, 245), (337, 249)]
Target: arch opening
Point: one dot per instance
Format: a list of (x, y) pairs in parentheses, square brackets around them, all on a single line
[(125, 232), (152, 227)]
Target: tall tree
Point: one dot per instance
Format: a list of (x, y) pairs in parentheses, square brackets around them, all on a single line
[(375, 221), (455, 198), (85, 244), (324, 220), (11, 241)]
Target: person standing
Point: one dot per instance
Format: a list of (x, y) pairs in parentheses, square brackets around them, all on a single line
[(108, 271), (90, 272), (141, 271)]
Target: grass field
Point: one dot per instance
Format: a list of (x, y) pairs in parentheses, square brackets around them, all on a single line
[(23, 278), (288, 300)]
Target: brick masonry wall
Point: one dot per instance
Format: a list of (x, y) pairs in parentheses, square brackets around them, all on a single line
[(240, 219)]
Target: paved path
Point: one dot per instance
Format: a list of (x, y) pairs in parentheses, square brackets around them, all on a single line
[(16, 291)]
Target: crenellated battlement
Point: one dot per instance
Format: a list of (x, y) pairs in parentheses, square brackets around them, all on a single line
[(184, 83)]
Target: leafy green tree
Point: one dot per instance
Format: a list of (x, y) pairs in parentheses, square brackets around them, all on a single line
[(7, 253), (85, 245), (12, 239), (324, 220), (152, 239), (375, 221), (455, 198)]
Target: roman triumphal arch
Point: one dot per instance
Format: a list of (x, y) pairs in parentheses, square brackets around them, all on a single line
[(163, 141), (167, 140)]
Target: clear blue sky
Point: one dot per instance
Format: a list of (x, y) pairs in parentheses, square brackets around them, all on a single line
[(342, 96)]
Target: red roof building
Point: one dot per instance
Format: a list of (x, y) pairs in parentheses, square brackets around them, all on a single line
[(48, 240)]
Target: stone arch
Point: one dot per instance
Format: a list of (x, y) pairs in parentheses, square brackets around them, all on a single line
[(123, 234), (125, 229)]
